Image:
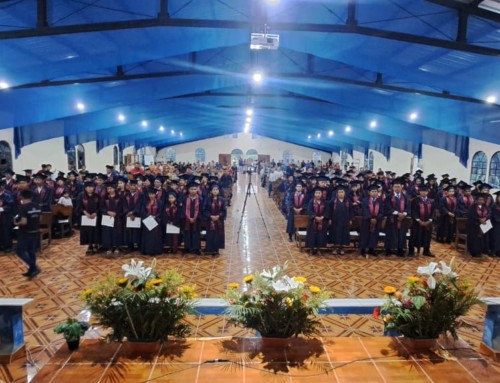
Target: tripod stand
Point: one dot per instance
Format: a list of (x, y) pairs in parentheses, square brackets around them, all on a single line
[(251, 189)]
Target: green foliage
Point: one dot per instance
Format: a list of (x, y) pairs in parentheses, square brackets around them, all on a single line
[(143, 306), (72, 329), (276, 305), (431, 307)]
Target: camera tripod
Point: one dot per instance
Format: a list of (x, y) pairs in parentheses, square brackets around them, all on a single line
[(248, 192)]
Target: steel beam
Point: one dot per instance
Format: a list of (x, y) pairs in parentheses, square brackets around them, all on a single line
[(230, 24), (471, 8), (41, 14), (351, 13), (463, 18)]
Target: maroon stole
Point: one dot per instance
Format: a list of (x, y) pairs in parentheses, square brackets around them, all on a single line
[(425, 209), (215, 209), (319, 211), (481, 214), (374, 209), (468, 201), (196, 201), (1, 200), (451, 204), (335, 203), (400, 208), (171, 212), (135, 197), (298, 200), (152, 208), (59, 192), (86, 200)]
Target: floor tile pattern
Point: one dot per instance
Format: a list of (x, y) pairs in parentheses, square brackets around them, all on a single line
[(255, 239)]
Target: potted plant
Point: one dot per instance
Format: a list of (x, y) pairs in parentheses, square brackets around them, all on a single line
[(141, 305), (431, 304), (276, 305), (72, 330)]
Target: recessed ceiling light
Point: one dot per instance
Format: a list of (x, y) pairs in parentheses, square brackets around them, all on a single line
[(144, 123), (161, 128), (373, 124), (4, 85), (330, 133), (181, 134), (172, 131), (413, 116), (318, 135), (348, 128), (249, 111), (257, 77), (491, 99), (309, 137), (248, 119), (121, 117), (246, 129), (80, 106)]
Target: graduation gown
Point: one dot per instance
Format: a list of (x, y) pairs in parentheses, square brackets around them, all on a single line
[(447, 224), (369, 234), (193, 211), (463, 205), (7, 207), (317, 232), (395, 230), (132, 205), (477, 241), (112, 237), (495, 232), (215, 238), (172, 215), (152, 240), (341, 215), (422, 211), (295, 201), (89, 235), (43, 198)]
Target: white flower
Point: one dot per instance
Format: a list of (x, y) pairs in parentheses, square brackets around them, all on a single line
[(396, 302), (136, 269), (154, 300), (114, 302), (276, 270), (285, 284), (447, 270), (430, 270)]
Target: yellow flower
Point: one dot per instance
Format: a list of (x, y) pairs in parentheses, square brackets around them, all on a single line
[(288, 301), (314, 289), (413, 279), (87, 293), (122, 282), (389, 290), (233, 285), (248, 278), (387, 318), (187, 291), (300, 279), (465, 284), (156, 281)]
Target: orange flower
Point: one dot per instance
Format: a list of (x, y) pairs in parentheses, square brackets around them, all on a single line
[(233, 285), (389, 290)]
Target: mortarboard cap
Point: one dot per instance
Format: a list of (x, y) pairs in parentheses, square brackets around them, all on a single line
[(373, 187), (192, 185), (445, 175), (497, 193), (424, 188), (21, 178), (485, 186), (28, 170), (88, 183), (109, 167), (72, 173), (478, 182), (39, 176), (132, 182), (10, 172)]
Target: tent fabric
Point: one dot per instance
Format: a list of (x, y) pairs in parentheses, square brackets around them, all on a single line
[(188, 68)]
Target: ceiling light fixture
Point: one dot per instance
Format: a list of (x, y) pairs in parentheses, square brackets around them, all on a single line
[(121, 117), (172, 131), (144, 123), (491, 99), (318, 135), (4, 85), (249, 112), (257, 77), (413, 116), (309, 137), (162, 128), (80, 106), (330, 133), (373, 124), (348, 128)]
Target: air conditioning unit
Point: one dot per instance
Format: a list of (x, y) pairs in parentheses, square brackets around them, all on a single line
[(264, 41)]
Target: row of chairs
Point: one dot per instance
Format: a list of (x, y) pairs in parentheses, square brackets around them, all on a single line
[(301, 223)]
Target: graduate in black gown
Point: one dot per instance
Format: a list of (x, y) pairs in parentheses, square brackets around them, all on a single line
[(465, 201), (317, 228), (495, 220), (132, 207), (448, 219), (42, 194), (173, 216), (88, 205), (396, 209), (112, 206), (341, 214), (372, 210), (422, 213), (7, 208), (479, 214), (152, 240), (193, 206), (214, 211), (295, 206)]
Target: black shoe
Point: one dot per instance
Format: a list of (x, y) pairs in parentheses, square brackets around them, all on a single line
[(401, 253), (26, 274), (411, 254), (428, 254), (34, 273), (371, 252), (197, 252), (388, 253), (363, 252), (10, 249)]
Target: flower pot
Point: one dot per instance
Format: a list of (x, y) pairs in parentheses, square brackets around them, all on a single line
[(419, 345), (73, 345)]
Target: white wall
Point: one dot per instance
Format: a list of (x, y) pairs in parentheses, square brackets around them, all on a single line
[(224, 145)]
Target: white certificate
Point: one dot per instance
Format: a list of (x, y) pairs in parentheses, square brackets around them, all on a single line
[(88, 221), (486, 226), (108, 221), (172, 229), (150, 223), (1, 209), (133, 223)]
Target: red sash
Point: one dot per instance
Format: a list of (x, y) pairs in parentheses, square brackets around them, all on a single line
[(468, 201), (298, 200), (374, 210), (190, 200), (319, 211), (171, 212), (451, 204), (424, 213), (152, 208), (215, 210), (400, 208)]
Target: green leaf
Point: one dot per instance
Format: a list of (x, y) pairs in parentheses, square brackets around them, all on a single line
[(418, 301)]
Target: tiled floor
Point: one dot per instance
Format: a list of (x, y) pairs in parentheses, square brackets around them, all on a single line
[(67, 272)]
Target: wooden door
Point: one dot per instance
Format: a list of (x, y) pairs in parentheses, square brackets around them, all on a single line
[(264, 158), (225, 159)]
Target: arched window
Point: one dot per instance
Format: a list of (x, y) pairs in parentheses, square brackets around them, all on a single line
[(287, 156), (478, 169), (252, 154), (71, 159), (5, 156), (316, 157), (115, 156), (370, 161), (494, 179), (80, 156), (236, 154), (170, 155), (199, 155)]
